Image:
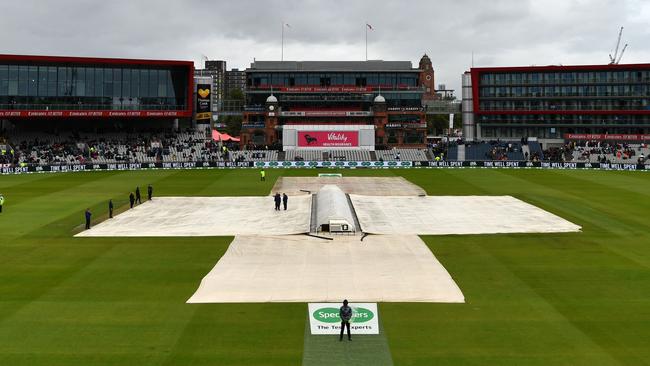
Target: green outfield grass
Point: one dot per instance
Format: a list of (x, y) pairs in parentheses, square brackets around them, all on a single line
[(551, 299)]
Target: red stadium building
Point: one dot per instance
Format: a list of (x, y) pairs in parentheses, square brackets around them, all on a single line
[(328, 105), (61, 88), (554, 103)]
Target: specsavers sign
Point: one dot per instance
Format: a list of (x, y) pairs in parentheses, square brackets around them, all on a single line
[(324, 318)]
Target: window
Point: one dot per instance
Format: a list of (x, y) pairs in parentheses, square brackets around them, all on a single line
[(144, 83), (373, 79), (13, 80), (108, 82), (32, 81), (90, 82), (153, 84), (117, 83), (4, 80), (99, 82), (325, 81), (313, 79), (51, 81), (301, 79)]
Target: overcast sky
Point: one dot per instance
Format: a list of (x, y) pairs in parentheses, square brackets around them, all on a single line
[(499, 32)]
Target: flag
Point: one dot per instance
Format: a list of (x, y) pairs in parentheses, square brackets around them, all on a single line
[(288, 25), (369, 26)]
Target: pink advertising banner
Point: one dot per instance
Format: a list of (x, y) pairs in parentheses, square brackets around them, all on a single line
[(328, 138)]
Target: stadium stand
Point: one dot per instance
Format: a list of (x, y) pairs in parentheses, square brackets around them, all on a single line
[(41, 148), (401, 155), (452, 152), (303, 155), (254, 155), (113, 147), (536, 152), (494, 150), (612, 152), (325, 155), (476, 152), (348, 155)]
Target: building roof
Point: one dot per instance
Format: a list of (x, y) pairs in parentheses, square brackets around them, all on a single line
[(605, 67), (354, 66), (271, 99), (91, 60)]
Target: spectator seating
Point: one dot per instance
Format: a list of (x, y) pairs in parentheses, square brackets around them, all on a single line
[(494, 150), (402, 155), (452, 152), (42, 148), (535, 150), (303, 155), (255, 155), (476, 152), (348, 155)]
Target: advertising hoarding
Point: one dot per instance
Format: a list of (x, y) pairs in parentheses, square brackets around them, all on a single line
[(335, 139), (203, 104), (324, 318)]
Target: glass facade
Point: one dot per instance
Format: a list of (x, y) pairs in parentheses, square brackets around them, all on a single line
[(551, 103), (315, 94), (555, 126), (621, 90), (92, 87), (388, 80), (400, 89)]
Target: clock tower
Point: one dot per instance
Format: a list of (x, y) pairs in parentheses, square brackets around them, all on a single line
[(427, 79)]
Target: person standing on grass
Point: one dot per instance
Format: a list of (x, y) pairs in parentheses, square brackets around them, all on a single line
[(2, 202), (88, 215), (149, 192), (262, 175), (131, 199), (285, 199), (345, 313), (138, 199), (110, 209)]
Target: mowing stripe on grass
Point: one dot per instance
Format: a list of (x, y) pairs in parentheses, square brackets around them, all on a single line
[(325, 350)]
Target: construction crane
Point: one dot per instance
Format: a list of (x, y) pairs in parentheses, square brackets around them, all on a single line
[(616, 58)]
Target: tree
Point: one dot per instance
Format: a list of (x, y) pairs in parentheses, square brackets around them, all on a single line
[(437, 124), (233, 124), (236, 94)]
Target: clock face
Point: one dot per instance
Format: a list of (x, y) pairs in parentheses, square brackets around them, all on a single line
[(428, 77), (271, 107)]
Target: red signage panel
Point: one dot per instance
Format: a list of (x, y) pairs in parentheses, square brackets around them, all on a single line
[(608, 137), (327, 89), (328, 138), (98, 114)]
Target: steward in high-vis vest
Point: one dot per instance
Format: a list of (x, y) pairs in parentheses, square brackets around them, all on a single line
[(262, 175), (2, 202)]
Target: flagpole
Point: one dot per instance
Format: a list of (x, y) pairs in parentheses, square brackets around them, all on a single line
[(366, 41), (282, 51)]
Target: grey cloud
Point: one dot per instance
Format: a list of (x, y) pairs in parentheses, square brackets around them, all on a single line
[(500, 32)]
